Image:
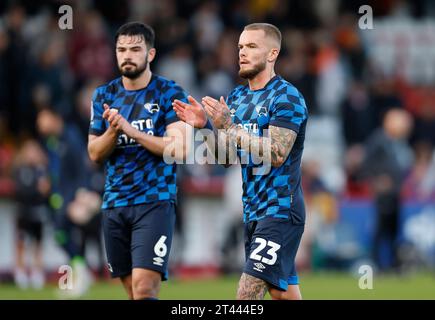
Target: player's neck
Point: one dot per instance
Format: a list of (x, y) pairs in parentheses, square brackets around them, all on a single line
[(261, 79), (138, 83)]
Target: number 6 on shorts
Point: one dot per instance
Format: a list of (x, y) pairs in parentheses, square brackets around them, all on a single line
[(160, 248)]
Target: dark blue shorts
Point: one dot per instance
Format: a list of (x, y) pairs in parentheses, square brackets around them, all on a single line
[(139, 236), (270, 246)]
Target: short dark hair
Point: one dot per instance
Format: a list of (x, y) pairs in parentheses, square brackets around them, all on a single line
[(137, 28), (269, 29)]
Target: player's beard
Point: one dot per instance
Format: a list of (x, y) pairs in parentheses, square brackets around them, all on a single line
[(252, 73), (135, 72)]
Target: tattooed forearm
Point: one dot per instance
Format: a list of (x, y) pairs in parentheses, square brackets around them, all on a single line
[(282, 141), (251, 288), (277, 146), (221, 148)]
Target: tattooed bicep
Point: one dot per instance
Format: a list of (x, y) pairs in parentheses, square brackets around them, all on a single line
[(282, 141)]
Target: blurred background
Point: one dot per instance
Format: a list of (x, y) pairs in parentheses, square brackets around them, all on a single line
[(368, 165)]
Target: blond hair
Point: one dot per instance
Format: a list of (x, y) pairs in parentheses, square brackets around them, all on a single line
[(269, 29)]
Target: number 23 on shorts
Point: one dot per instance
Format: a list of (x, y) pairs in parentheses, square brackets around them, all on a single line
[(271, 252)]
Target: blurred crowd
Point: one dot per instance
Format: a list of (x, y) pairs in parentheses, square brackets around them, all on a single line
[(385, 122)]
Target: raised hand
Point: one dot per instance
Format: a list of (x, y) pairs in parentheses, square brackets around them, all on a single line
[(193, 113), (218, 112), (117, 121)]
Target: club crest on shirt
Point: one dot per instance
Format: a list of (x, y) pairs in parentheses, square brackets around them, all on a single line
[(152, 107), (261, 111)]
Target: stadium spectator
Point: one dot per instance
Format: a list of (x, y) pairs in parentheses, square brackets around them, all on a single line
[(387, 159), (90, 51), (67, 169), (358, 118), (32, 190)]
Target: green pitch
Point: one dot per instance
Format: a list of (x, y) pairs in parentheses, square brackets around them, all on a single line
[(314, 286)]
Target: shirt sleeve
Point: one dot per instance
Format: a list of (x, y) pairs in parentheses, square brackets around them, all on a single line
[(173, 91), (289, 110), (97, 125)]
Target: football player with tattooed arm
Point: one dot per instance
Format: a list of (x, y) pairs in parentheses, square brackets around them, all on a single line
[(133, 127), (265, 118)]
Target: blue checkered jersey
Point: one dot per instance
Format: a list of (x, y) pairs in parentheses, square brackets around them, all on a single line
[(133, 174), (271, 192)]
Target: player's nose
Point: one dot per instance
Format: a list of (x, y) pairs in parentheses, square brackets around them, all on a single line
[(127, 55), (242, 53)]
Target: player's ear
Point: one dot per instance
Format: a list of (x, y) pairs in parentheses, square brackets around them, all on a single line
[(273, 55), (151, 54)]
